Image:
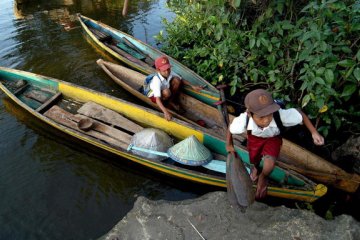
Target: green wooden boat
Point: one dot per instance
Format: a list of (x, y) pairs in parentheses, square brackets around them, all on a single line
[(140, 56), (64, 106), (292, 156)]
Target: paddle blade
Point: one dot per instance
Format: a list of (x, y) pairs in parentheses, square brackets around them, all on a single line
[(238, 182)]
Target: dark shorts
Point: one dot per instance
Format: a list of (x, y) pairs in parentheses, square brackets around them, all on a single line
[(259, 147)]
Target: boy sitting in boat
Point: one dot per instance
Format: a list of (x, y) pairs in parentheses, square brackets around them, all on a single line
[(263, 122), (165, 85)]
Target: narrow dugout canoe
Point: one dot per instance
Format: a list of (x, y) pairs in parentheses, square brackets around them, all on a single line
[(196, 110), (140, 56), (48, 100), (292, 156)]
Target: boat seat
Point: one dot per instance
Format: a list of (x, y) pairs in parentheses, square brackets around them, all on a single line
[(103, 37), (21, 89), (49, 102), (107, 38)]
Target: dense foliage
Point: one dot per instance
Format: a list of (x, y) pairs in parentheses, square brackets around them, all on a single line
[(306, 53)]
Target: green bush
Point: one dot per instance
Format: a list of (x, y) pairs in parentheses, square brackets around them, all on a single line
[(307, 55)]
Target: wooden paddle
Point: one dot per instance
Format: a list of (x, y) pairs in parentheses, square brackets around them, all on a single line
[(239, 184)]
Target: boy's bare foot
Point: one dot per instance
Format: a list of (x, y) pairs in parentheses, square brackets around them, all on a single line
[(254, 174), (261, 189)]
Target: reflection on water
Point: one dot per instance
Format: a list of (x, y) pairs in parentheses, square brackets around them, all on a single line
[(50, 187)]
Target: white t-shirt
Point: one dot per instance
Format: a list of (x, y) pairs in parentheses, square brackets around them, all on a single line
[(289, 117), (159, 83)]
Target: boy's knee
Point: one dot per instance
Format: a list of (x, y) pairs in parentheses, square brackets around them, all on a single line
[(269, 165), (270, 160), (176, 82), (165, 94)]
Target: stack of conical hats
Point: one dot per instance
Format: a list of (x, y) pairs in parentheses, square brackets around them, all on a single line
[(190, 152)]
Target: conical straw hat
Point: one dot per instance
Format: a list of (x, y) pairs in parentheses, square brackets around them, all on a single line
[(151, 139), (190, 152)]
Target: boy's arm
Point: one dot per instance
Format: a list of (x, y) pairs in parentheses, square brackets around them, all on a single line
[(196, 88), (167, 114), (318, 139)]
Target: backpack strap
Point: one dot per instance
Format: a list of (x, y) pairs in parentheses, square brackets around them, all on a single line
[(247, 123), (277, 119), (149, 78), (278, 122)]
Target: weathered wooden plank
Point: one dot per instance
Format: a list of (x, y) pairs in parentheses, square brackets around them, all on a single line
[(98, 126), (30, 102), (21, 89), (100, 35), (130, 44), (37, 95), (148, 59), (67, 119), (108, 130), (111, 117), (128, 56), (130, 51), (49, 102)]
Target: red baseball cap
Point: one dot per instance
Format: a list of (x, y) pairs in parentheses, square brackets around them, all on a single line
[(162, 63)]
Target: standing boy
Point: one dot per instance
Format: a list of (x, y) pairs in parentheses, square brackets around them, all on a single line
[(264, 140), (165, 87)]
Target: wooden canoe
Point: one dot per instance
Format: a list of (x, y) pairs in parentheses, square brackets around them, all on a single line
[(292, 156), (113, 131), (196, 110), (109, 39)]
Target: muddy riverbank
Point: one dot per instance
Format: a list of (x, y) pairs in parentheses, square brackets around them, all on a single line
[(211, 217)]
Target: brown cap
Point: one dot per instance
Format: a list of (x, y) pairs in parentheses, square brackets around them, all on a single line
[(260, 102)]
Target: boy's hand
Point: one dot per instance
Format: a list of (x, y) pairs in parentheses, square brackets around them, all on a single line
[(229, 148), (197, 88), (167, 115), (318, 139)]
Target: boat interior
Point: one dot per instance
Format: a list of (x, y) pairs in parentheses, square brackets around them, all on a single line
[(91, 119), (124, 47)]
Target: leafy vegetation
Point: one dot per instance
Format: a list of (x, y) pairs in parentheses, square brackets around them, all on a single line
[(306, 53)]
